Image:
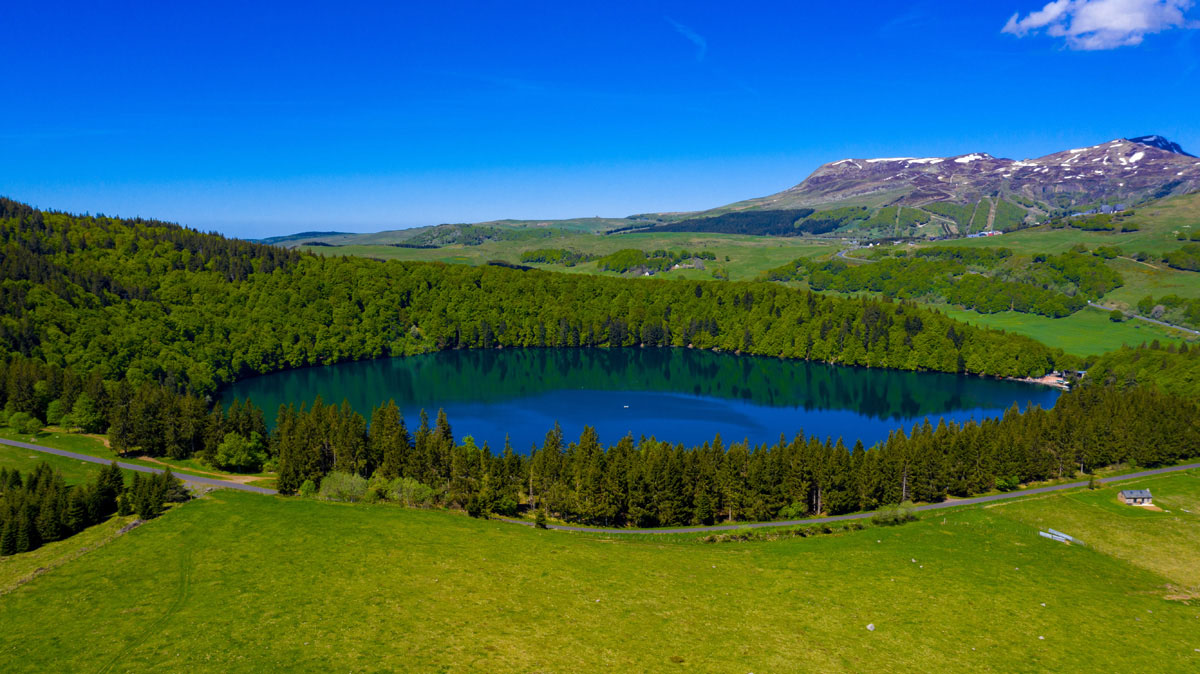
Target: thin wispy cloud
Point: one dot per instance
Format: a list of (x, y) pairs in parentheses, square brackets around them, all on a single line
[(1102, 24), (692, 36)]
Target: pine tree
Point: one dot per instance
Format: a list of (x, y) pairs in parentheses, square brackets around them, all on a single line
[(49, 524), (8, 538), (77, 515), (24, 534), (389, 441)]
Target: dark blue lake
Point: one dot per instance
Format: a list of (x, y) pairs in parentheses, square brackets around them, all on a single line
[(679, 395)]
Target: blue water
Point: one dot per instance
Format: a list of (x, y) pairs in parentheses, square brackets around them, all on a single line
[(676, 395)]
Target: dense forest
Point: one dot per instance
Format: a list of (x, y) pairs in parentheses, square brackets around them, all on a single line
[(1054, 285), (143, 301), (1170, 369), (757, 223), (651, 483)]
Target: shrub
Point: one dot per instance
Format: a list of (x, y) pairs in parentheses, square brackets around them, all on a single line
[(793, 511), (86, 415), (506, 506), (307, 489), (539, 521), (24, 423), (240, 454), (410, 492), (895, 514), (345, 487), (54, 412), (1008, 483), (1116, 316)]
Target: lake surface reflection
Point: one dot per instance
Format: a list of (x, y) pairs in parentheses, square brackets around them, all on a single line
[(680, 395)]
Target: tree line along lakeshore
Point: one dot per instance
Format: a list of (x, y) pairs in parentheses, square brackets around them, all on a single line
[(128, 327)]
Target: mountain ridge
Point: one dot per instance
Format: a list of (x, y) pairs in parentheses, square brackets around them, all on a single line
[(928, 197), (1120, 169)]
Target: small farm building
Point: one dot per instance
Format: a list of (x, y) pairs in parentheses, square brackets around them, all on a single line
[(1139, 497)]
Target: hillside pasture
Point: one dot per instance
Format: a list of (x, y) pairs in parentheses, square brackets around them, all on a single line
[(1087, 332), (748, 255), (240, 582)]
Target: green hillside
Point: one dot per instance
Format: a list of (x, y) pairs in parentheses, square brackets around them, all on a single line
[(238, 582)]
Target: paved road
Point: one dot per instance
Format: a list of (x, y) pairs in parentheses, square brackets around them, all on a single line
[(1148, 320), (141, 469), (858, 516), (842, 254)]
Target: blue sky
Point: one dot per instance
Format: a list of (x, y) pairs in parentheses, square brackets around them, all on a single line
[(258, 118)]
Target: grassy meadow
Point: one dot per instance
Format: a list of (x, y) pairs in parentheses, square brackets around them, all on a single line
[(1123, 532), (241, 582), (1087, 332), (748, 256), (25, 460)]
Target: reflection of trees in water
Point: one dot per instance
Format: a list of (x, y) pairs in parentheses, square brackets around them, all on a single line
[(497, 375)]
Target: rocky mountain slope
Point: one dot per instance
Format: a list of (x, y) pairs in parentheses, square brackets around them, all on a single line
[(1117, 171), (893, 196), (904, 196)]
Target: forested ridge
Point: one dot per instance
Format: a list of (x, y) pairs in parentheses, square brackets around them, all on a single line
[(147, 301), (756, 223)]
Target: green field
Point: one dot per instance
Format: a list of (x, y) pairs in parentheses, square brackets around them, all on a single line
[(748, 256), (1153, 278), (25, 460), (239, 582), (1088, 332), (1105, 525)]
